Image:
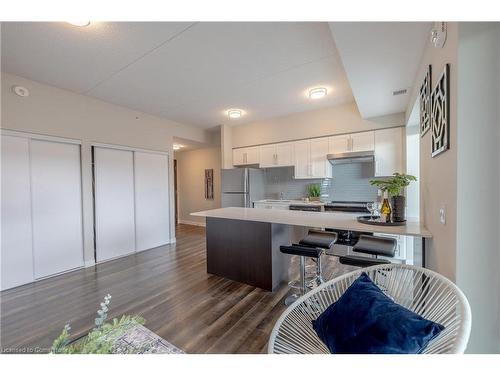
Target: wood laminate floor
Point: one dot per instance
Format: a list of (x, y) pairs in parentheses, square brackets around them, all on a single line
[(168, 286)]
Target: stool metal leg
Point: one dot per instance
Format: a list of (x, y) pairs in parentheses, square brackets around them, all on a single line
[(292, 298)]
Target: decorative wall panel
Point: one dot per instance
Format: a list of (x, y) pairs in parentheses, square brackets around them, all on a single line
[(440, 118)]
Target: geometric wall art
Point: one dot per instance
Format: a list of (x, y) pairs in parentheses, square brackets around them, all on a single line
[(440, 114), (425, 102)]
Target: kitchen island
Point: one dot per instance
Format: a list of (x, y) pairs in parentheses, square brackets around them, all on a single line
[(243, 243)]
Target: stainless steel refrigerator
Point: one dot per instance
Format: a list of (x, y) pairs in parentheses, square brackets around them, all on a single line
[(242, 186)]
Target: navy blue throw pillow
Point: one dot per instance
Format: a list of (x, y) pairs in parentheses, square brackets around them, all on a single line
[(365, 321)]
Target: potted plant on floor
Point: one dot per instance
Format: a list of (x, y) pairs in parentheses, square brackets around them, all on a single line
[(394, 186), (314, 191)]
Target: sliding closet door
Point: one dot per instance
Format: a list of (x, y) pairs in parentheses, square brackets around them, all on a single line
[(57, 207), (114, 202), (151, 200), (16, 252)]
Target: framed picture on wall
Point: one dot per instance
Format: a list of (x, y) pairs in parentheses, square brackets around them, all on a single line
[(209, 184), (425, 102), (440, 114)]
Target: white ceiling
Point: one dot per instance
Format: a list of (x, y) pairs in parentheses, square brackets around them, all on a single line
[(187, 72), (379, 58)]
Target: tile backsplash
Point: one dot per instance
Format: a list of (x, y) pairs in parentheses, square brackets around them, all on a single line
[(350, 182)]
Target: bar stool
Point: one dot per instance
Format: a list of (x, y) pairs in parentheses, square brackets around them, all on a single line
[(312, 246), (372, 245)]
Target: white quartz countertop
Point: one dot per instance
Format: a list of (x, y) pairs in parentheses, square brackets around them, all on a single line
[(334, 220)]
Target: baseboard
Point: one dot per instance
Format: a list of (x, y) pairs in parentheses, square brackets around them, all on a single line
[(89, 263), (187, 222)]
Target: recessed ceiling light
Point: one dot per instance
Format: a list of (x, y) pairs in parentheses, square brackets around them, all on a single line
[(317, 93), (234, 113), (177, 147), (79, 23)]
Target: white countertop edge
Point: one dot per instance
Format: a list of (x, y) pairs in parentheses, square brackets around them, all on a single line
[(341, 221)]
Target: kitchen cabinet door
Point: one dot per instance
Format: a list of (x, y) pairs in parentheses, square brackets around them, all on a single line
[(362, 141), (320, 166), (238, 156), (267, 156), (339, 144), (252, 155), (388, 151), (284, 154), (302, 151)]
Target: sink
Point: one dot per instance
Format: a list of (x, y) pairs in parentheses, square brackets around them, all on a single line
[(276, 200)]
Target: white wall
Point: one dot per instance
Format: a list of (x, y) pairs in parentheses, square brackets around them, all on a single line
[(52, 111), (478, 181), (191, 167), (318, 123), (226, 141), (438, 176)]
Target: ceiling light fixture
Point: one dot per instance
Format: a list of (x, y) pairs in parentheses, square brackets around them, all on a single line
[(234, 113), (177, 147), (80, 23), (317, 93)]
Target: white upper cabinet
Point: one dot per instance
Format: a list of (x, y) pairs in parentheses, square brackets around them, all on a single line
[(320, 166), (276, 155), (302, 159), (362, 141), (351, 142), (339, 144), (310, 159), (238, 156), (246, 155), (284, 154), (388, 151), (267, 156), (252, 155)]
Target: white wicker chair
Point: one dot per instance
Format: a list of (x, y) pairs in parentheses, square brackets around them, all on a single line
[(423, 291)]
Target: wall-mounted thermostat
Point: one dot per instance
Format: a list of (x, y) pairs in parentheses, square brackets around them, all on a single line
[(20, 91)]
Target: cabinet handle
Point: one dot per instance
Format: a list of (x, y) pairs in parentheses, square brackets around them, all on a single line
[(276, 159)]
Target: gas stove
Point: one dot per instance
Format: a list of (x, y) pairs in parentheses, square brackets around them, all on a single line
[(354, 207)]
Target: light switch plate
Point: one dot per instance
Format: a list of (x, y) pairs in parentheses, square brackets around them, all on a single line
[(442, 215)]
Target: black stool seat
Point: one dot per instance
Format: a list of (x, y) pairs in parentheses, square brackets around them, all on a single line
[(319, 238), (304, 251), (376, 245), (359, 261)]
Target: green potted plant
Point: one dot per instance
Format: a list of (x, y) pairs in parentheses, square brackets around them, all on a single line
[(314, 191), (394, 186), (99, 340)]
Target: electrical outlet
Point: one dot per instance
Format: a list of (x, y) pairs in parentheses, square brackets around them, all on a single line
[(442, 215)]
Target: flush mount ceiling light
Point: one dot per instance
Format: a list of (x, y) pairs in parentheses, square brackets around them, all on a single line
[(177, 147), (317, 93), (79, 23), (234, 113)]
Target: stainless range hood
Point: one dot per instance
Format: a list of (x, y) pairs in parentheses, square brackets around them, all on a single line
[(351, 157)]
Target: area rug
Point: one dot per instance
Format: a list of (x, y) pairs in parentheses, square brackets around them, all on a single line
[(140, 340)]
